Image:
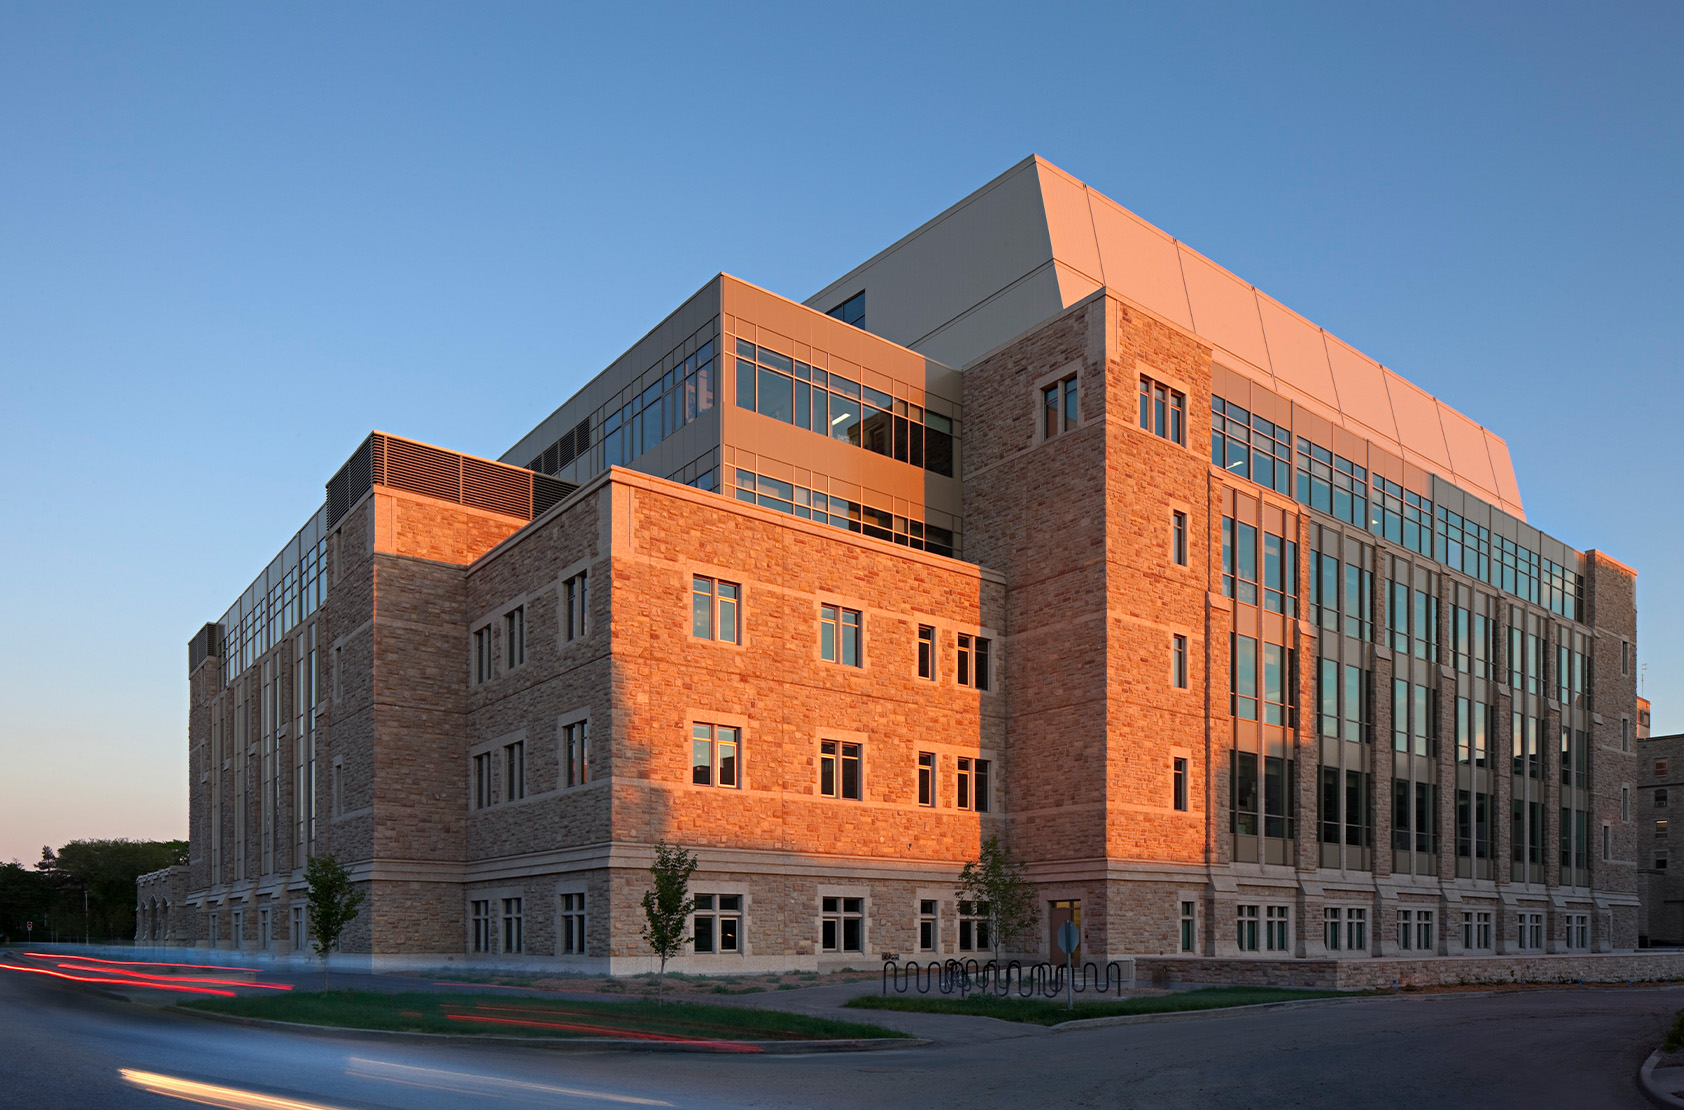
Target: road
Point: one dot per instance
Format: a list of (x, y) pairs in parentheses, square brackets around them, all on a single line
[(66, 1045)]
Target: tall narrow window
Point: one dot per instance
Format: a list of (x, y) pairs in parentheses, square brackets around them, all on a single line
[(482, 655), (962, 784), (927, 925), (713, 609), (1178, 661), (1178, 779), (514, 771), (926, 779), (575, 753), (1178, 538), (926, 651), (839, 770), (482, 781), (1189, 922), (971, 662), (481, 938), (514, 636), (572, 925), (513, 941), (839, 635), (713, 755), (573, 604)]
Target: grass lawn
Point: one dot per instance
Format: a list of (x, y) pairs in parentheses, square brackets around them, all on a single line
[(1040, 1011), (536, 1017)]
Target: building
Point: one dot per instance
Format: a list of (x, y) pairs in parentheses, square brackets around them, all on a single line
[(1037, 523)]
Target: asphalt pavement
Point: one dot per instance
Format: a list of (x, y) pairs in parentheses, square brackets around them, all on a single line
[(70, 1044)]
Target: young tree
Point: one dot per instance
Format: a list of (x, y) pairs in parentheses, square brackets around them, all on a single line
[(667, 906), (332, 903), (994, 884)]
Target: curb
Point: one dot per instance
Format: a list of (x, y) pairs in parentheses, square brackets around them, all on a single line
[(1646, 1080), (558, 1044), (1207, 1012)]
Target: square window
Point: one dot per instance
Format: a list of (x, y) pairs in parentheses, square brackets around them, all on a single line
[(839, 769), (839, 636), (714, 752), (714, 609), (842, 925)]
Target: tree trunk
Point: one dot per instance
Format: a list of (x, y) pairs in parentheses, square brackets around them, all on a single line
[(661, 982)]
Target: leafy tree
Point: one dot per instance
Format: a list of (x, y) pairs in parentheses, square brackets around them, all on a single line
[(91, 883), (994, 883), (668, 905), (331, 904), (24, 897)]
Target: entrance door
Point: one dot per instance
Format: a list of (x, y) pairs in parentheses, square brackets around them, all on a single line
[(1057, 914)]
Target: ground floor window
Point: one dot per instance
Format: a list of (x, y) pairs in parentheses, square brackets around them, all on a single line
[(1275, 931), (1578, 930), (1476, 930), (298, 934), (263, 929), (239, 936), (927, 925), (719, 923), (1415, 930), (1189, 925), (513, 941), (1246, 928), (1529, 931), (842, 927), (973, 927), (479, 918), (572, 924)]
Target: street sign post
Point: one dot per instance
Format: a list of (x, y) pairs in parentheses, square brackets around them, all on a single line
[(1069, 938)]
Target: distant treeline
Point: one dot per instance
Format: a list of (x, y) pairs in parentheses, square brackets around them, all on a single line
[(51, 894)]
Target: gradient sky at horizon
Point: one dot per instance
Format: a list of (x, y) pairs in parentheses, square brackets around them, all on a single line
[(234, 238)]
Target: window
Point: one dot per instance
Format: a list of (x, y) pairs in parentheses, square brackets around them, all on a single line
[(719, 923), (1476, 929), (1529, 931), (1178, 661), (1178, 538), (1332, 916), (926, 779), (1661, 798), (1243, 678), (239, 937), (1188, 926), (971, 785), (299, 936), (839, 770), (514, 636), (851, 311), (973, 926), (1578, 930), (713, 606), (839, 635), (514, 771), (479, 918), (337, 783), (575, 753), (926, 651), (713, 755), (842, 925), (482, 655), (1660, 829), (573, 607), (1356, 930), (972, 662), (1660, 861), (1239, 561), (1246, 928), (1163, 411), (1607, 842), (1625, 656), (1625, 803), (1178, 779), (483, 795), (1660, 766), (1280, 574), (1058, 407), (1275, 929), (1625, 734), (571, 927), (512, 939), (927, 925)]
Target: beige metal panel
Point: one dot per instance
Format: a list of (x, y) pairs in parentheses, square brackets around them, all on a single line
[(1139, 261), (1070, 225), (1417, 421), (1224, 309), (1507, 489), (1073, 284), (1296, 352), (1469, 457), (996, 321), (1362, 387), (963, 257)]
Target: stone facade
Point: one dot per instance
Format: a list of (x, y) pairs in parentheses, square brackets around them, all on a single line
[(1658, 796)]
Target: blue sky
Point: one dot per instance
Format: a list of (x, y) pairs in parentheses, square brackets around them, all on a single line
[(234, 238)]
